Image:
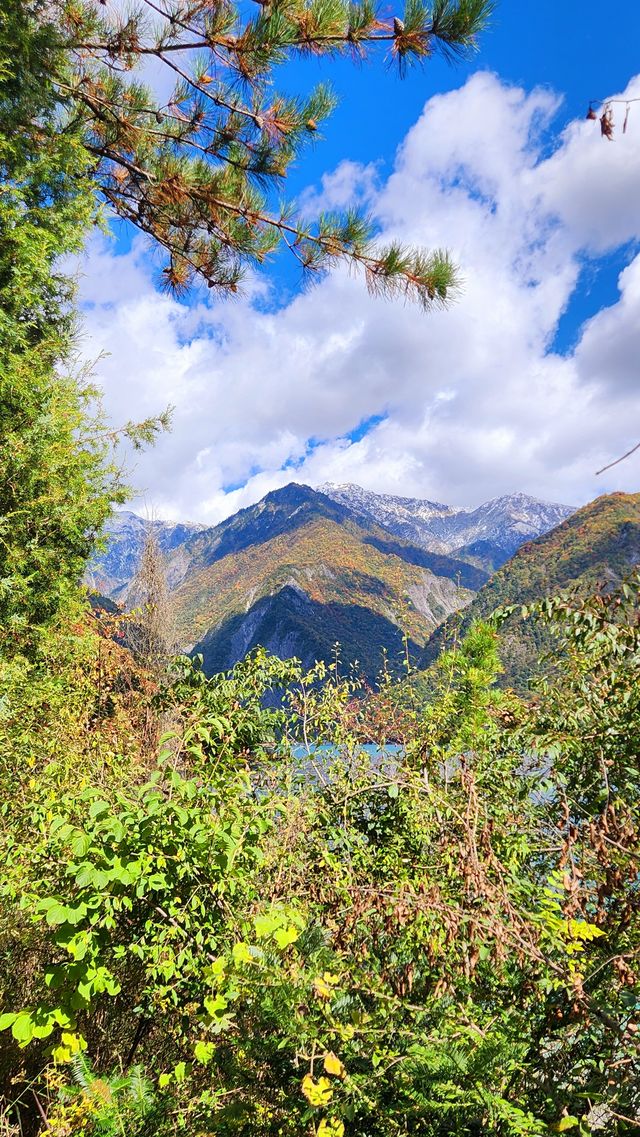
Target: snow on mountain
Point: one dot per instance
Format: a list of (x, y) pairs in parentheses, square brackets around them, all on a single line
[(484, 537), (304, 568), (414, 519), (489, 534)]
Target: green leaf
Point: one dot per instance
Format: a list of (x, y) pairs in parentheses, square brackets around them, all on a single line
[(74, 914), (57, 914), (80, 845), (221, 726), (84, 874), (116, 829), (43, 1031), (23, 1028), (99, 808), (46, 904), (242, 953), (267, 924), (204, 1051), (62, 1018), (215, 1004), (56, 823), (286, 936)]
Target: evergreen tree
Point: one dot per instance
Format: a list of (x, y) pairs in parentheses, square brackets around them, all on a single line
[(56, 483), (198, 174), (51, 494)]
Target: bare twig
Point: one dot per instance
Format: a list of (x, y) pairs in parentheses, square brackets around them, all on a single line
[(618, 460)]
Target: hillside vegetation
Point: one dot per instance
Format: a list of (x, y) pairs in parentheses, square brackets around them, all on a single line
[(295, 573), (356, 949), (331, 566), (594, 548)]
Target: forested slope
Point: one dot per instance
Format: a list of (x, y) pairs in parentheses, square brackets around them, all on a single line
[(594, 548), (298, 574)]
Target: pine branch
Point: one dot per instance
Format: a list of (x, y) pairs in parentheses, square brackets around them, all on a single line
[(196, 175)]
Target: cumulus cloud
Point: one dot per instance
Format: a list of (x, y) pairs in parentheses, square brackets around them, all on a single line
[(609, 352), (594, 191), (466, 404), (351, 184)]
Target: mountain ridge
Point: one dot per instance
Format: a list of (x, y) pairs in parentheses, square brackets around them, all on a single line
[(486, 535), (112, 569), (332, 564), (307, 568)]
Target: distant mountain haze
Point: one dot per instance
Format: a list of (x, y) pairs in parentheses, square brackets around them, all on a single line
[(305, 568), (111, 571)]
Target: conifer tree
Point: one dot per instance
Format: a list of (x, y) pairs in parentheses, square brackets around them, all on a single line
[(51, 494), (198, 172), (56, 480)]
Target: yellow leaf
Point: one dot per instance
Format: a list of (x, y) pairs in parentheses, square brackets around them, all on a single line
[(323, 984), (286, 936), (333, 1065), (317, 1093), (322, 989), (70, 1044), (241, 953), (330, 1127), (582, 930)]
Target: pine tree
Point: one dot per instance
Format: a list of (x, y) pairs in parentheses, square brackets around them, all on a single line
[(201, 173)]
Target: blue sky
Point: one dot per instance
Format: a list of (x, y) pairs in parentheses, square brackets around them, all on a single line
[(563, 44), (529, 385)]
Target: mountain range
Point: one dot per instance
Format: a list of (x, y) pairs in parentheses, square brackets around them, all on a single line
[(112, 570), (486, 536), (304, 569)]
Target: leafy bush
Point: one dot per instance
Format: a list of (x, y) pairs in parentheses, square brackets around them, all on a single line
[(287, 941)]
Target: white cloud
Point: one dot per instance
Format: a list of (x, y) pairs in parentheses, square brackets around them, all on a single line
[(609, 353), (350, 184), (594, 189), (475, 401)]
